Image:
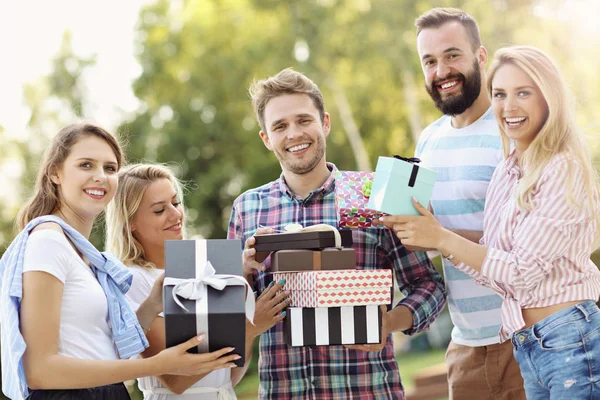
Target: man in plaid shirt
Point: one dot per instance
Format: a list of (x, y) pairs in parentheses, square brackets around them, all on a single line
[(294, 125)]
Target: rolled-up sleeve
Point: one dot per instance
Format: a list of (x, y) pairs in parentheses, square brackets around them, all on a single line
[(418, 280), (477, 276), (543, 234)]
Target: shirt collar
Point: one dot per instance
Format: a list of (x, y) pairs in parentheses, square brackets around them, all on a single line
[(326, 187), (512, 165)]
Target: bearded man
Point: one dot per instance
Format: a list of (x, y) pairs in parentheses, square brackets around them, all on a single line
[(464, 148)]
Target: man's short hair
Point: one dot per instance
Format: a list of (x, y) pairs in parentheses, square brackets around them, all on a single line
[(287, 81), (437, 17)]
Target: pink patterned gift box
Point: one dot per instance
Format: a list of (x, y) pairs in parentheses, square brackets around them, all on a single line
[(337, 288), (336, 279), (352, 192), (341, 297)]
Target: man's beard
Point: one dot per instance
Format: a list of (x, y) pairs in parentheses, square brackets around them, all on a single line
[(301, 167), (457, 104)]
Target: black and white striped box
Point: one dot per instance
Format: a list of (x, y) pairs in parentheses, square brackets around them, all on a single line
[(332, 326)]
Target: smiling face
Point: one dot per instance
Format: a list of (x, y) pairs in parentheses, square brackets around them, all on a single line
[(452, 70), (159, 216), (87, 179), (295, 132), (519, 106)]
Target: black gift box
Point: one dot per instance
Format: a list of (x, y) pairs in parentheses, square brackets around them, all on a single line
[(332, 326), (226, 308), (301, 240)]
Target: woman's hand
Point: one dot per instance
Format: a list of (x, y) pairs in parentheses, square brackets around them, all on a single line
[(155, 296), (252, 261), (270, 308), (177, 361), (152, 306), (416, 231)]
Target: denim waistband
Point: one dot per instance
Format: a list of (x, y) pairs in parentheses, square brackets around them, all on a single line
[(573, 313)]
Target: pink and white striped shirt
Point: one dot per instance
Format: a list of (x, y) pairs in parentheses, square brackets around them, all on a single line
[(540, 257)]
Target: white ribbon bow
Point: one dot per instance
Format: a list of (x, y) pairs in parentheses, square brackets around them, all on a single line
[(197, 288), (293, 228)]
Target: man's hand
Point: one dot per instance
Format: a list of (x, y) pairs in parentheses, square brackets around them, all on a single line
[(252, 260), (384, 335)]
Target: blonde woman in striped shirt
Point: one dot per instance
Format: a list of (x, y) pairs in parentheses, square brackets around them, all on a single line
[(540, 222)]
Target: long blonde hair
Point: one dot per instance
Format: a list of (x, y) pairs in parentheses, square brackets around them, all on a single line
[(133, 181), (558, 135), (45, 199)]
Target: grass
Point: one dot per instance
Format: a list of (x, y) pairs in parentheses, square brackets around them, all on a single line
[(412, 363)]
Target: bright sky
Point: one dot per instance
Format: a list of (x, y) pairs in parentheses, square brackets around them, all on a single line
[(31, 33)]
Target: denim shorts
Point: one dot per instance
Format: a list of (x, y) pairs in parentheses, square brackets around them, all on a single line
[(559, 356)]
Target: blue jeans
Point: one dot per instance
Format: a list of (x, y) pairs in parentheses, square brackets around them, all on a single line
[(559, 356)]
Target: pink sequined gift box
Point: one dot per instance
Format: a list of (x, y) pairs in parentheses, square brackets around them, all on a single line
[(352, 192)]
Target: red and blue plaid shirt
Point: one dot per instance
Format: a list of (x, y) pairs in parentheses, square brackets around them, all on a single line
[(334, 372)]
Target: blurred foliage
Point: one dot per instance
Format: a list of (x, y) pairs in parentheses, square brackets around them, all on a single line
[(54, 101), (198, 58)]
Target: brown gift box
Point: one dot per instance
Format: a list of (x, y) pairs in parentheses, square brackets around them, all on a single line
[(308, 260), (300, 240)]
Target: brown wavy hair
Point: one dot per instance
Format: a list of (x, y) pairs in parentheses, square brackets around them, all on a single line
[(287, 81), (45, 199)]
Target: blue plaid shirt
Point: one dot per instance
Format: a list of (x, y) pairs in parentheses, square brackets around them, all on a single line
[(334, 372)]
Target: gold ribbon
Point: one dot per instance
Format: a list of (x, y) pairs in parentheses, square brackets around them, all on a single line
[(316, 260)]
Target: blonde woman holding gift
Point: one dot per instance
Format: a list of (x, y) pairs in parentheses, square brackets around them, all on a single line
[(147, 211), (540, 227)]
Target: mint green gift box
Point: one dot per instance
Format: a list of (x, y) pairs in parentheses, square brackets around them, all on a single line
[(397, 181)]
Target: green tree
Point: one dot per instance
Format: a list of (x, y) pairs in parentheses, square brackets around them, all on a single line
[(196, 111), (198, 58), (6, 205)]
